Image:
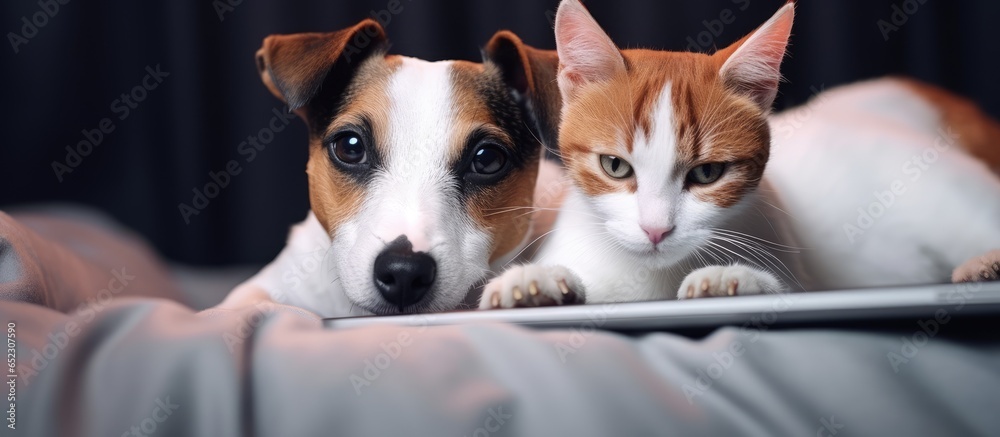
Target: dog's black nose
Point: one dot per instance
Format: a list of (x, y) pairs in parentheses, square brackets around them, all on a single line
[(402, 276)]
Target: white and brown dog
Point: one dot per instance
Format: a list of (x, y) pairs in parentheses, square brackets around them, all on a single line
[(421, 174)]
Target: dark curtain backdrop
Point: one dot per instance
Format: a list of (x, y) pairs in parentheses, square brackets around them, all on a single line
[(71, 71)]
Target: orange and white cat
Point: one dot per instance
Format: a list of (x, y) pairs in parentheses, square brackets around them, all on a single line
[(684, 186)]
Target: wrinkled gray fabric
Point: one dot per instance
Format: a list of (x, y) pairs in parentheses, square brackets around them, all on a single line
[(136, 365), (280, 373)]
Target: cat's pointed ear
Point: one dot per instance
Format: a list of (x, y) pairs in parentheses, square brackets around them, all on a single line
[(586, 52), (295, 67), (752, 66)]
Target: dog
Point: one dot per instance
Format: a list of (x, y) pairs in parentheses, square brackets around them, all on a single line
[(422, 175)]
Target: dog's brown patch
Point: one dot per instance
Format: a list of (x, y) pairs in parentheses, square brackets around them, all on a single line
[(334, 196), (367, 99), (471, 111), (502, 209)]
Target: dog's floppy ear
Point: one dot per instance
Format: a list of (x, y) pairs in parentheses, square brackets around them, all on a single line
[(296, 67), (531, 75)]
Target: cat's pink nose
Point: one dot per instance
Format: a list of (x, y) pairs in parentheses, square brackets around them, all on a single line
[(657, 234)]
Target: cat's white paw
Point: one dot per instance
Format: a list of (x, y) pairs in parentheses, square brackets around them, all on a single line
[(734, 280), (532, 286)]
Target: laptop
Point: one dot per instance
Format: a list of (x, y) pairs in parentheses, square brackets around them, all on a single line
[(931, 302)]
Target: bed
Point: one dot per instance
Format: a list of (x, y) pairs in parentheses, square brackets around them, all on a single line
[(108, 343)]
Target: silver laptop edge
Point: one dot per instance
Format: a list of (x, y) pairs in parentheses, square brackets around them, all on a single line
[(752, 311)]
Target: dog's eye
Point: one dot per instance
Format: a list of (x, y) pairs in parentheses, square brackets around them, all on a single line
[(706, 174), (488, 159), (616, 167), (349, 148)]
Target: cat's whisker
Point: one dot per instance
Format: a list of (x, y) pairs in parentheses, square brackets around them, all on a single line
[(523, 214), (762, 263), (756, 248), (776, 246), (784, 270), (545, 146), (526, 247), (701, 258), (551, 209), (738, 256), (717, 257), (507, 210), (721, 257), (779, 209), (533, 209)]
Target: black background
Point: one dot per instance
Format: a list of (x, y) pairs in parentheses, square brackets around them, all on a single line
[(66, 77)]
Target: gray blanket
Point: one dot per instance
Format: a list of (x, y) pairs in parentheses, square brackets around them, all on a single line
[(136, 362)]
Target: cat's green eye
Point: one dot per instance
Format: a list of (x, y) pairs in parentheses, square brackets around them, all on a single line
[(616, 167), (706, 173)]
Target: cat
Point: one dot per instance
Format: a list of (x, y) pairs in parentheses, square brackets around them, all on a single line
[(684, 185)]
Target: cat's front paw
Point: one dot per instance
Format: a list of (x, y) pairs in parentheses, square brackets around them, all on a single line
[(979, 269), (532, 286), (734, 280)]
